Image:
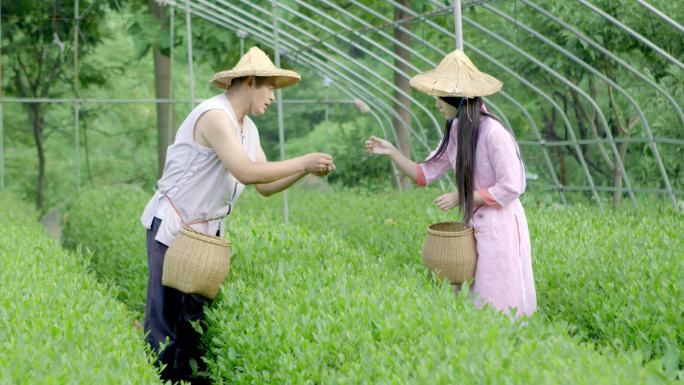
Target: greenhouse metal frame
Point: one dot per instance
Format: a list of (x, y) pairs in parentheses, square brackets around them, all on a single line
[(323, 54)]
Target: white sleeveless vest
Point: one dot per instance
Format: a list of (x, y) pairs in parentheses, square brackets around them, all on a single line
[(195, 179)]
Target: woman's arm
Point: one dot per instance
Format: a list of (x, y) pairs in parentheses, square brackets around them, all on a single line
[(508, 167), (217, 129), (448, 201), (422, 174), (383, 147)]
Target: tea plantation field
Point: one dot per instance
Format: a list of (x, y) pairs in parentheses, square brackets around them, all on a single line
[(339, 296)]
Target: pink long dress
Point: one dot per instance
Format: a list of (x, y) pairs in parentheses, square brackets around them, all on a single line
[(503, 277)]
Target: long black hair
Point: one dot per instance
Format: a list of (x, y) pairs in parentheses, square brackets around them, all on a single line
[(468, 131)]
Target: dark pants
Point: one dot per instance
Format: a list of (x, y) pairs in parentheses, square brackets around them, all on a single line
[(171, 313)]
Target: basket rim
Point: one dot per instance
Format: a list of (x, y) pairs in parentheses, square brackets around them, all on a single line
[(189, 231), (468, 230)]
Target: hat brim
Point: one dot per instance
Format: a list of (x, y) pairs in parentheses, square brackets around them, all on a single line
[(283, 78), (448, 86)]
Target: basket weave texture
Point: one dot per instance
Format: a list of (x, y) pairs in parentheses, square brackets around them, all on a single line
[(196, 263), (449, 251)]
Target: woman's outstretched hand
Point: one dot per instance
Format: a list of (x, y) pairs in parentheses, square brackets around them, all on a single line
[(447, 201), (379, 146)]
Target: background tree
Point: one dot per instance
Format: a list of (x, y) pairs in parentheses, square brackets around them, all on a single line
[(42, 41)]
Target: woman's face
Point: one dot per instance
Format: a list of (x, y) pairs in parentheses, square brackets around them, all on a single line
[(445, 108), (261, 96)]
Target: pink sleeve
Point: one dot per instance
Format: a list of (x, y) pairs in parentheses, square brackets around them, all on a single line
[(428, 172), (508, 168), (488, 199), (420, 176)]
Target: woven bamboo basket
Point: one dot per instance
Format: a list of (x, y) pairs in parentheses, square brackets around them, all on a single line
[(196, 263), (449, 251)]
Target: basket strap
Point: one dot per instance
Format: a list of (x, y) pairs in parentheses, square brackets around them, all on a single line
[(193, 222)]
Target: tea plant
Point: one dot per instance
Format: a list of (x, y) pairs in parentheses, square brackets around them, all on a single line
[(58, 325), (616, 277), (105, 221)]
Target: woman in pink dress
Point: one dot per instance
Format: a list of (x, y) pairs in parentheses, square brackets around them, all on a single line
[(490, 177)]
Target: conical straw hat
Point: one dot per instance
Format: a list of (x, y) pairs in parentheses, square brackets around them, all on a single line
[(256, 63), (456, 75)]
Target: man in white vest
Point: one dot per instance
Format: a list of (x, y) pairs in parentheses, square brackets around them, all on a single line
[(216, 153)]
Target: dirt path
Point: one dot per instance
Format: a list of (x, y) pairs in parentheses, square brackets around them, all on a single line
[(52, 224)]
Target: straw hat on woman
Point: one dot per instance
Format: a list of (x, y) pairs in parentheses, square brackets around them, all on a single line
[(490, 176), (216, 153)]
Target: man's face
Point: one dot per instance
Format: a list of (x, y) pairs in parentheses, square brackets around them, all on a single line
[(262, 96)]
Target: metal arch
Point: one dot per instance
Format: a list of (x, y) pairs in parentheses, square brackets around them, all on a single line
[(543, 148), (634, 34), (336, 85), (560, 77), (212, 18), (363, 66), (267, 40), (395, 174), (370, 53), (389, 52), (394, 41), (536, 90), (661, 15), (188, 37), (566, 122), (610, 54), (606, 79), (380, 16), (378, 89), (259, 34), (385, 35), (436, 125), (362, 36), (394, 68)]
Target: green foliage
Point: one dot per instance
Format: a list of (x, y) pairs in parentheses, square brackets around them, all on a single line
[(58, 325), (616, 278), (105, 222), (40, 36), (305, 307), (345, 141), (115, 61), (341, 297), (619, 277)]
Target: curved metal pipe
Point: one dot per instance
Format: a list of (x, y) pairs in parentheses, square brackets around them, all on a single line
[(366, 68), (661, 15), (315, 66), (312, 66), (582, 63), (267, 40), (535, 89), (610, 54), (602, 118), (547, 158), (370, 53), (634, 34)]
